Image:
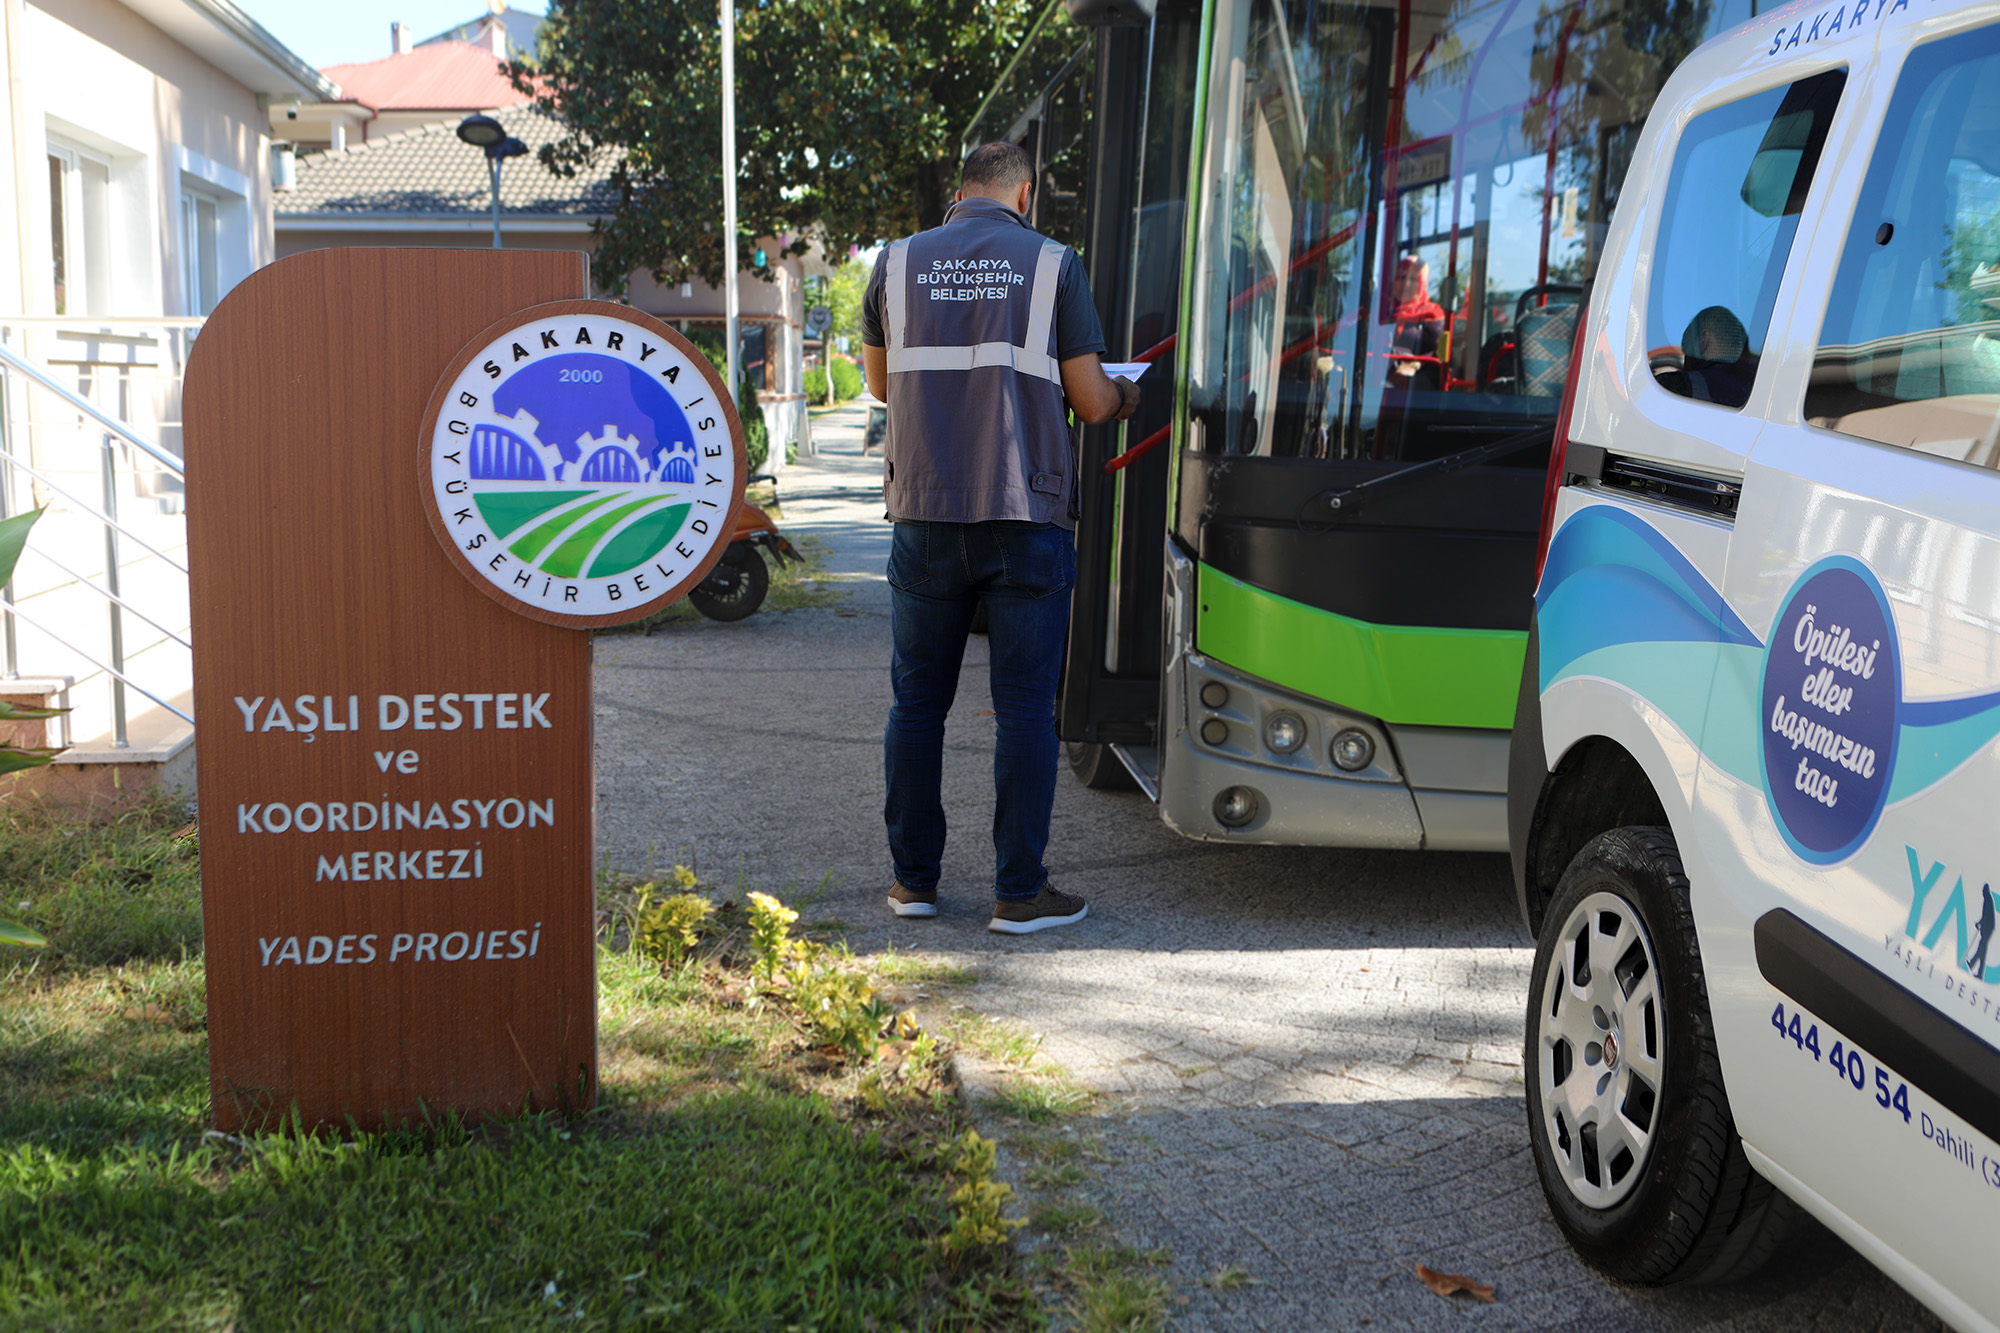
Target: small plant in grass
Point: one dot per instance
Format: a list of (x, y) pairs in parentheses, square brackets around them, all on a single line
[(927, 1057), (838, 1007), (1040, 1100), (666, 929), (976, 1206), (771, 944), (918, 969), (1066, 1219), (1114, 1290), (1056, 1177)]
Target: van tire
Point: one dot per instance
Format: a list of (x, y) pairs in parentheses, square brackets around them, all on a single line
[(1097, 767), (1698, 1212)]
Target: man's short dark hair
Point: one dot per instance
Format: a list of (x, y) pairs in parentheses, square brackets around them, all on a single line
[(999, 165)]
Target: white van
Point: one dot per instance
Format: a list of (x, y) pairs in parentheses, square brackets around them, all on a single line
[(1754, 796)]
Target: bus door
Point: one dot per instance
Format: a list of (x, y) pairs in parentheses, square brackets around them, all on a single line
[(1136, 242), (1107, 117)]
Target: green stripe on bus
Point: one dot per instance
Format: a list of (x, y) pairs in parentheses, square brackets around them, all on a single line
[(1415, 675)]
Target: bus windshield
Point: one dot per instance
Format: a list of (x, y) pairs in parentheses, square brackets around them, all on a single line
[(1402, 210)]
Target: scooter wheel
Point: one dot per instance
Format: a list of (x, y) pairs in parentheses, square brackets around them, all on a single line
[(735, 587)]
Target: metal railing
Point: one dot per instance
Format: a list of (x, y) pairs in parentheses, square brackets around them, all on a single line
[(111, 497)]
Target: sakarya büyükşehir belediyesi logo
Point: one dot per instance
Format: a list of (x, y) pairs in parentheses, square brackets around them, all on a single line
[(582, 465)]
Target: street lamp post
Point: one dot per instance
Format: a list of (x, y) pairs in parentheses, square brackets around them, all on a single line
[(485, 133), (730, 300)]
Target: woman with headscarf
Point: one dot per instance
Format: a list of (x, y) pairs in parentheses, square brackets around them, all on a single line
[(1419, 327)]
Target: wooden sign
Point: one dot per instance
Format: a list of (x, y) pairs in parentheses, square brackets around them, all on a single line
[(394, 748)]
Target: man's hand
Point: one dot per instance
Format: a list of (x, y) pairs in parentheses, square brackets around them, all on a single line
[(1095, 396), (1129, 393)]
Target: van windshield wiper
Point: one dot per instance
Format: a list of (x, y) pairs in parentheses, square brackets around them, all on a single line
[(1346, 501)]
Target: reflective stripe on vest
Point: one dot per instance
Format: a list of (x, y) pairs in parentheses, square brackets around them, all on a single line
[(1031, 358)]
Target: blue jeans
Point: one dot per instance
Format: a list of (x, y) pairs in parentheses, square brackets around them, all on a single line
[(938, 575)]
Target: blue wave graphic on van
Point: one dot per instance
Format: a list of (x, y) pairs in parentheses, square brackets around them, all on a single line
[(1611, 578), (1619, 602), (1937, 736)]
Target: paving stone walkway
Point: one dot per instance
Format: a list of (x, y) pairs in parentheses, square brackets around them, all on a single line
[(1308, 1061)]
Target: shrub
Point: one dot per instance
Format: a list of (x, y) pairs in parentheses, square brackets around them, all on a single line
[(770, 932), (838, 1007), (667, 929), (976, 1205), (846, 381)]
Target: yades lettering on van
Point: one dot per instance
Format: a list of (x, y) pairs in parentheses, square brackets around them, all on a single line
[(1969, 913)]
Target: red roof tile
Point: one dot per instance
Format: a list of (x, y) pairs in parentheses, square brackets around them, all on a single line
[(443, 76)]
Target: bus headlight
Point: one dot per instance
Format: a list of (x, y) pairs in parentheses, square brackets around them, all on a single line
[(1352, 750), (1214, 694), (1284, 732), (1214, 731)]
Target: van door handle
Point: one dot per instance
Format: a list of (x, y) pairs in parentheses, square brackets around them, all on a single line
[(1715, 497)]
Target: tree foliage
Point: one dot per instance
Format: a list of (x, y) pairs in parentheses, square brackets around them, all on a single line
[(848, 117)]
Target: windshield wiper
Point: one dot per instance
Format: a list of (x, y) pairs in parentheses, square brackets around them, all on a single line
[(1349, 500)]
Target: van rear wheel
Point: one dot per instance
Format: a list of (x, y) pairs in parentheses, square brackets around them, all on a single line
[(1633, 1140)]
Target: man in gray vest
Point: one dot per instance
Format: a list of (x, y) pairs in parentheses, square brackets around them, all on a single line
[(981, 337)]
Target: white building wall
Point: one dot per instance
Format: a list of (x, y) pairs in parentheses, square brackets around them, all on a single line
[(143, 123), (93, 76)]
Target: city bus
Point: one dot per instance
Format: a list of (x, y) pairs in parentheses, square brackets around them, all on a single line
[(1351, 241)]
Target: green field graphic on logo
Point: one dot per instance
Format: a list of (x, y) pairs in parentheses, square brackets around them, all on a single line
[(532, 545), (640, 542), (507, 512)]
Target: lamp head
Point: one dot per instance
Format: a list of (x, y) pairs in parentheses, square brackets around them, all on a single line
[(481, 131)]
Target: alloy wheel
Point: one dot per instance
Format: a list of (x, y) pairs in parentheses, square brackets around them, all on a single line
[(1600, 1031)]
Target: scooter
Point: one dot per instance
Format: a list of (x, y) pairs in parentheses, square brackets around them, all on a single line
[(735, 588)]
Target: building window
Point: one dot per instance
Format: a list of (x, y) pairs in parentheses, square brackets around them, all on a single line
[(79, 221), (200, 253), (59, 231), (753, 354)]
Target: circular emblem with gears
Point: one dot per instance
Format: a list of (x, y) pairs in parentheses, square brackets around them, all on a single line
[(582, 464)]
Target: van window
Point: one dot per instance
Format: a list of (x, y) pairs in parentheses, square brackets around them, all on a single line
[(1732, 205), (1910, 351)]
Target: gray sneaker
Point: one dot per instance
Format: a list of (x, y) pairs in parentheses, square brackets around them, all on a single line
[(912, 902), (1047, 908)]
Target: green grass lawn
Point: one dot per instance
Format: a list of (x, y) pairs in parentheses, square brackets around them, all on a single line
[(733, 1176)]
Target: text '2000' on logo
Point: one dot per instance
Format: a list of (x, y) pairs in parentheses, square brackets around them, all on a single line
[(584, 467)]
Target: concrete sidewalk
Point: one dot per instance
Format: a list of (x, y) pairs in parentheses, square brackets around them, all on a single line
[(1310, 1059)]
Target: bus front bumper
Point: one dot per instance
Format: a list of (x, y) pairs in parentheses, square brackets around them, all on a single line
[(1244, 760)]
